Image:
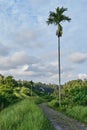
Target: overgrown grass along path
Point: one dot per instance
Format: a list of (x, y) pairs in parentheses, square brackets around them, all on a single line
[(24, 115), (60, 121)]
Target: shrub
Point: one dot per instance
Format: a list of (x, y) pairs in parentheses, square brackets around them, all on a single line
[(7, 97), (54, 104), (25, 91)]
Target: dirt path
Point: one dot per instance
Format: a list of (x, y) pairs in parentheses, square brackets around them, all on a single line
[(60, 121)]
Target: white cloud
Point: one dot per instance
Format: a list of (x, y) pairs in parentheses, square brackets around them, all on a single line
[(82, 76), (78, 57), (17, 59), (25, 67), (18, 72), (55, 63)]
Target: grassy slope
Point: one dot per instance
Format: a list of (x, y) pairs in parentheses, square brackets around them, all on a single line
[(24, 116)]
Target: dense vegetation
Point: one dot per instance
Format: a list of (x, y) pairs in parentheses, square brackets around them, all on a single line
[(74, 100), (75, 93), (12, 91), (18, 104), (24, 115), (74, 96)]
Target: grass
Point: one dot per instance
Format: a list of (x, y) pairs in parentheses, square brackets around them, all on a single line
[(24, 116), (78, 112), (38, 100)]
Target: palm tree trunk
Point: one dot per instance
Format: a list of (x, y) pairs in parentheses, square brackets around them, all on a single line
[(59, 71)]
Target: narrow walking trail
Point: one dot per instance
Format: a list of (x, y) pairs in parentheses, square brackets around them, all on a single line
[(60, 121)]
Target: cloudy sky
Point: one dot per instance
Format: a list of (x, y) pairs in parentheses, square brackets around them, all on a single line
[(28, 46)]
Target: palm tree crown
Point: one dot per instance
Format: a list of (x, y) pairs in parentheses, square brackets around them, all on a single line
[(56, 18)]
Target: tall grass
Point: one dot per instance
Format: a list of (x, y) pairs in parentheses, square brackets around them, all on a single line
[(24, 116), (78, 112)]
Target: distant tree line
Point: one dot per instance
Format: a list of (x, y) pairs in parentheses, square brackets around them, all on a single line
[(12, 90)]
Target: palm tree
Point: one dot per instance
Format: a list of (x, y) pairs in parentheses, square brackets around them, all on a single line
[(57, 18)]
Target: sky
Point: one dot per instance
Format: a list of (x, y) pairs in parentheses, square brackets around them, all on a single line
[(28, 46)]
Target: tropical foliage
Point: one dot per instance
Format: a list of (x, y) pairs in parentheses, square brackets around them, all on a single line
[(74, 100), (12, 90), (57, 18), (75, 93)]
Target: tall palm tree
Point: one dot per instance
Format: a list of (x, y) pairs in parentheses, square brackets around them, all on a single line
[(57, 18)]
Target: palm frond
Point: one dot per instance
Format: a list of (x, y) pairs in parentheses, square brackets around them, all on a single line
[(57, 17), (51, 18), (50, 21), (61, 10), (52, 14), (64, 18)]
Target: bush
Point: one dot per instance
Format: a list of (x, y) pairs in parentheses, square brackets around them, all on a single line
[(7, 97), (54, 104), (25, 91), (75, 94)]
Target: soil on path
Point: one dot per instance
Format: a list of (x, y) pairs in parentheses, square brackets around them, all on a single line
[(60, 121)]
